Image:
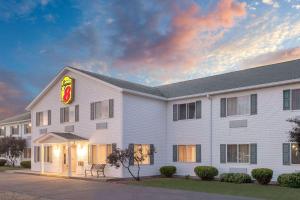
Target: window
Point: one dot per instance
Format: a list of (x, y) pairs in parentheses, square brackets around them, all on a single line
[(238, 105), (185, 111), (99, 153), (238, 153), (2, 131), (142, 149), (102, 109), (27, 153), (43, 118), (48, 154), (69, 114), (27, 128), (14, 130), (37, 154), (186, 153), (295, 154)]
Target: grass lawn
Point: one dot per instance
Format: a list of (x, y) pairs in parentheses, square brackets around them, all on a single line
[(5, 168), (246, 190)]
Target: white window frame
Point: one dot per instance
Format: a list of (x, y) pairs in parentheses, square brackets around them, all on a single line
[(147, 157), (44, 121), (291, 154), (108, 151), (185, 145), (187, 110), (102, 114), (249, 106), (25, 128), (238, 153), (2, 131)]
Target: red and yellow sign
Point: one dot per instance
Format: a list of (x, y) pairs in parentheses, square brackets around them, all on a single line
[(67, 90)]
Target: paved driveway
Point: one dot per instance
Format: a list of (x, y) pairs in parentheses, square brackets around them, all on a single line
[(40, 187)]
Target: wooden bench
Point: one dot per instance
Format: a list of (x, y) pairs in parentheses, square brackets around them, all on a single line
[(96, 167)]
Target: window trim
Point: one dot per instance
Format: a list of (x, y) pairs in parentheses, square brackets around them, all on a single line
[(238, 115), (185, 145), (90, 156), (148, 156), (238, 153), (296, 164), (177, 106)]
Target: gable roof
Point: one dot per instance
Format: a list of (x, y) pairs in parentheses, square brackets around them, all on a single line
[(263, 76), (17, 118), (244, 78)]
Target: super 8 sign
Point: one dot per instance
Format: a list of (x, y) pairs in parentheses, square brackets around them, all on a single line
[(67, 90)]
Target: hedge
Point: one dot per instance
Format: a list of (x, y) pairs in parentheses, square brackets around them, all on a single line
[(206, 172), (235, 178), (167, 171), (262, 175), (289, 180), (2, 162), (26, 164)]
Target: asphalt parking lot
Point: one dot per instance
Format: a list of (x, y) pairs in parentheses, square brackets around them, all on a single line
[(30, 187)]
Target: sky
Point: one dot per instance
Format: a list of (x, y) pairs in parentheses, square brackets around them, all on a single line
[(151, 42)]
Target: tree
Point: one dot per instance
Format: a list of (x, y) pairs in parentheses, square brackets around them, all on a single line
[(128, 158), (12, 147), (295, 132)]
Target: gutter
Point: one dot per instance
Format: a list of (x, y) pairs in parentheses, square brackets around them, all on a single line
[(210, 130)]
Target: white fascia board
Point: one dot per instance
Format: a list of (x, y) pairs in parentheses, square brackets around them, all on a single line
[(144, 94), (16, 122)]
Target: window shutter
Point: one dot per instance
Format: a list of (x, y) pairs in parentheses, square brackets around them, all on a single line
[(18, 129), (223, 107), (111, 108), (45, 154), (286, 152), (198, 109), (295, 99), (49, 117), (198, 153), (66, 114), (92, 111), (50, 154), (175, 112), (253, 153), (34, 153), (253, 104), (76, 113), (152, 154), (39, 153), (131, 150), (174, 153), (62, 115), (222, 153), (286, 99), (37, 119)]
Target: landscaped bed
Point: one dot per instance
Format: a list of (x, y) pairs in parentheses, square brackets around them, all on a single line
[(246, 190), (5, 168)]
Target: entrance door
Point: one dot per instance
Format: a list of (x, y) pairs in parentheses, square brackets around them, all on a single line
[(73, 158)]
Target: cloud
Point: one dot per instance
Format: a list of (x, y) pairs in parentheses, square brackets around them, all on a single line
[(275, 4), (190, 33), (296, 6), (12, 99)]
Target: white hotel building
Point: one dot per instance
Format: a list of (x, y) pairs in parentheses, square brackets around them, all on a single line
[(234, 121)]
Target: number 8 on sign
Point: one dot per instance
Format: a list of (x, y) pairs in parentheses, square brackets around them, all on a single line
[(67, 90)]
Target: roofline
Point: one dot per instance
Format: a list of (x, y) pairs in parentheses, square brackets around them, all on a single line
[(144, 94), (15, 122), (47, 88), (260, 86)]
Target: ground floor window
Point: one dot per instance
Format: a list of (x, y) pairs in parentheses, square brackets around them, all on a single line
[(37, 154), (27, 153), (186, 153), (98, 153), (238, 153), (295, 154), (48, 154), (142, 150)]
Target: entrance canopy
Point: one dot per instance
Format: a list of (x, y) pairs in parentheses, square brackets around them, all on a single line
[(58, 137)]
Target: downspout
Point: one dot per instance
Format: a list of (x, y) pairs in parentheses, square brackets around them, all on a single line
[(210, 130)]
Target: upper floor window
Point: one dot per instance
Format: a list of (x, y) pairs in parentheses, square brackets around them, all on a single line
[(43, 118), (291, 99), (242, 105), (27, 128), (14, 130), (102, 109), (2, 131), (69, 114), (185, 111)]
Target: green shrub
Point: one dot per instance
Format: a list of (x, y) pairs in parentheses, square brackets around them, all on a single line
[(206, 172), (2, 162), (289, 180), (235, 178), (167, 171), (26, 164), (262, 175)]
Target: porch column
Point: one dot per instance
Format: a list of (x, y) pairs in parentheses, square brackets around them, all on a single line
[(69, 160), (42, 156)]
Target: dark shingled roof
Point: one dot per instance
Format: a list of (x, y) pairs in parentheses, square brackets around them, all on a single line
[(68, 136), (17, 118), (243, 78)]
